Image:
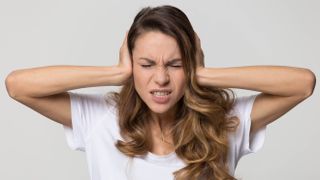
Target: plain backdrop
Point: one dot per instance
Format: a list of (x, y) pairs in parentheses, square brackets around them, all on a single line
[(90, 32)]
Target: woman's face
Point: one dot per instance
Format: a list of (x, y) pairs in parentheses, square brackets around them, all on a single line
[(157, 66)]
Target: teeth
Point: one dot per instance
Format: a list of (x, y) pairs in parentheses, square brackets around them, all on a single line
[(157, 93)]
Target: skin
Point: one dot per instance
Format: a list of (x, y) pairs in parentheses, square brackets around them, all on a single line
[(44, 89), (281, 87), (155, 50)]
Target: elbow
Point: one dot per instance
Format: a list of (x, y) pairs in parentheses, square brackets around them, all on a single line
[(10, 83), (310, 83)]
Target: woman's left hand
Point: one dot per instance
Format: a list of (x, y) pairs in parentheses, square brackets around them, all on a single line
[(199, 56), (199, 53)]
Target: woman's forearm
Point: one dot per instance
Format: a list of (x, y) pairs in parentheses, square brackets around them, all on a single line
[(49, 80), (276, 80)]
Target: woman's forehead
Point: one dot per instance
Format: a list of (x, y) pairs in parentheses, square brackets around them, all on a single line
[(156, 45)]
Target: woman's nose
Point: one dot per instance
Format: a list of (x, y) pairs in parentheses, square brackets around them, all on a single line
[(161, 76)]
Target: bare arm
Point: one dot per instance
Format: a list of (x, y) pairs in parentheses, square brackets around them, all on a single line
[(50, 80), (44, 89), (276, 80), (281, 87)]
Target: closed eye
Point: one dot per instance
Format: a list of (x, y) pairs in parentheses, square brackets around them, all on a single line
[(176, 66), (145, 65)]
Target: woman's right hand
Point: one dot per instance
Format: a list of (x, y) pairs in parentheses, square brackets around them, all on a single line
[(125, 61)]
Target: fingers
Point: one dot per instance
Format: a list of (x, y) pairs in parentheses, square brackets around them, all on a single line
[(124, 46), (199, 51), (124, 55), (124, 43)]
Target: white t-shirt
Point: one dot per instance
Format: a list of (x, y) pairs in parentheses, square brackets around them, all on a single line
[(95, 131)]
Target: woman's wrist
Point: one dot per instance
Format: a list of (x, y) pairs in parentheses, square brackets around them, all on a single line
[(125, 74), (200, 74)]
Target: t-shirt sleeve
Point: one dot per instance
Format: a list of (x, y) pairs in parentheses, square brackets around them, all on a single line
[(245, 141), (85, 111)]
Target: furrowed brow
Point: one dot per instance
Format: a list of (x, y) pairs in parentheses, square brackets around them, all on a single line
[(153, 62), (175, 60), (148, 60)]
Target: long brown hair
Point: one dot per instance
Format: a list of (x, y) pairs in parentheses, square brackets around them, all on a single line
[(200, 132)]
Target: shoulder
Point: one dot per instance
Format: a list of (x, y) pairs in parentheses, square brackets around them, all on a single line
[(242, 140)]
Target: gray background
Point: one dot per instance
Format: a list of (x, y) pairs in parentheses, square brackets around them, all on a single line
[(233, 33)]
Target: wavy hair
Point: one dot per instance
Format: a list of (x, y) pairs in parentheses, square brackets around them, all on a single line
[(200, 131)]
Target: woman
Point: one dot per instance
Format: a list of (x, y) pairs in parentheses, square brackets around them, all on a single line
[(173, 118)]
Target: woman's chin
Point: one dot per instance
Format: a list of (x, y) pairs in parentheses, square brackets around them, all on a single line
[(159, 108)]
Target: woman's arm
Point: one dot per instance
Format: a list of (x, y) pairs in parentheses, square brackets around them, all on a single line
[(46, 81), (50, 80), (276, 80), (282, 87), (44, 89)]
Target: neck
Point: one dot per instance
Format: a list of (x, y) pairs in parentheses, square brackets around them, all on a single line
[(161, 135), (161, 125), (163, 122)]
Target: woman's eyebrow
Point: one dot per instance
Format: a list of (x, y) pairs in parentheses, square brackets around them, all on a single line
[(153, 62)]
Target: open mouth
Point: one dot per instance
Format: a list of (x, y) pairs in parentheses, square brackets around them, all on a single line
[(161, 93), (161, 97)]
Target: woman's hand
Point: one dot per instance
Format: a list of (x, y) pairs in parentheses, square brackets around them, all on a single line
[(199, 53), (125, 61), (199, 58)]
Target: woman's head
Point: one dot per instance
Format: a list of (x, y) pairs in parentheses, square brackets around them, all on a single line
[(160, 42), (158, 73), (159, 35)]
